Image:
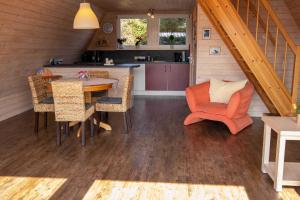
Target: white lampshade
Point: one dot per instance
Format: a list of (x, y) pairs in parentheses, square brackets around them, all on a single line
[(85, 18)]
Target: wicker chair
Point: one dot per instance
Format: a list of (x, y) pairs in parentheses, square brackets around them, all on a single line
[(70, 106), (98, 74), (42, 103), (118, 104)]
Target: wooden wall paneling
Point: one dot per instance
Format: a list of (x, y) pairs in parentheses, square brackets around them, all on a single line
[(31, 34)]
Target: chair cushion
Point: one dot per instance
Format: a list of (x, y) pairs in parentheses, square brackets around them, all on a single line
[(221, 91), (99, 94), (212, 108), (88, 105), (110, 100), (48, 100)]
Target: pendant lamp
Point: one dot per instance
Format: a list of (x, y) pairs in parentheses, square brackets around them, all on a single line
[(85, 18)]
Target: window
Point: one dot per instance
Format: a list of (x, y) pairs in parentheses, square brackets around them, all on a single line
[(172, 31), (133, 30)]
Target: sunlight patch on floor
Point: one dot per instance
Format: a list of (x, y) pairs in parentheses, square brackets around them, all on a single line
[(115, 190), (28, 187), (289, 193)]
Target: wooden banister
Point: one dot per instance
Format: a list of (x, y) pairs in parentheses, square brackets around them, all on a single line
[(264, 70), (280, 26), (296, 77)]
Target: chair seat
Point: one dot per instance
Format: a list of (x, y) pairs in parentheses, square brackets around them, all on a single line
[(88, 105), (212, 108), (110, 100), (48, 100), (99, 94)]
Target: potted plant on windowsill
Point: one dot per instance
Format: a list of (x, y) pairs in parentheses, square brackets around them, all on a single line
[(121, 42), (138, 42), (171, 40)]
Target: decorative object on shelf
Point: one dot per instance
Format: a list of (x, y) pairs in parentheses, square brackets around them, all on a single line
[(172, 39), (108, 28), (206, 34), (56, 61), (121, 42), (102, 43), (150, 13), (83, 75), (85, 18), (109, 62), (215, 51)]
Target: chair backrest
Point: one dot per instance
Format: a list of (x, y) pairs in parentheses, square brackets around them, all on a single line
[(98, 74), (38, 87), (69, 102), (127, 96)]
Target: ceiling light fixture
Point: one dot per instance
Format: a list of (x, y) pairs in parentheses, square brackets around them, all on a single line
[(85, 18), (150, 13)]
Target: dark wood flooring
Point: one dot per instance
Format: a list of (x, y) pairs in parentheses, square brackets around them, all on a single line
[(158, 149)]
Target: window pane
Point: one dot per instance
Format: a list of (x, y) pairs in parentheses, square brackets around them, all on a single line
[(172, 31), (132, 29)]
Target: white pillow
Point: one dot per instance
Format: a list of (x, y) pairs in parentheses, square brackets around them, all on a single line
[(221, 92)]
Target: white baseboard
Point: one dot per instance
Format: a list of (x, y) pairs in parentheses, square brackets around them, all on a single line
[(159, 93)]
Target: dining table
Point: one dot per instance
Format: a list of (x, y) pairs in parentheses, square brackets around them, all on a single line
[(91, 85)]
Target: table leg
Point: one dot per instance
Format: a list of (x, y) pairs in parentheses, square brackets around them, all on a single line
[(88, 97), (266, 148), (280, 151)]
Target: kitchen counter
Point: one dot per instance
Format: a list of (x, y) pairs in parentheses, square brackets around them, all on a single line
[(93, 65), (117, 65)]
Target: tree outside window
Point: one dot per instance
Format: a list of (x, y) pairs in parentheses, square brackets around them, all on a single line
[(172, 31), (133, 30)]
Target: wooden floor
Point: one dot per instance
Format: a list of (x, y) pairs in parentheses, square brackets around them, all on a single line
[(159, 159)]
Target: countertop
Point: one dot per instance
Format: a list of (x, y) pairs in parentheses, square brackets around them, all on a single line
[(119, 65), (96, 65)]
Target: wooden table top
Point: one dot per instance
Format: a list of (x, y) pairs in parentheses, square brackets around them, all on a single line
[(94, 85), (280, 124)]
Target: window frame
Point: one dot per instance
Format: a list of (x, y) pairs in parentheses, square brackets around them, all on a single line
[(186, 31), (132, 17)]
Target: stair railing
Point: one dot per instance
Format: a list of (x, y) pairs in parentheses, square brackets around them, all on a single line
[(255, 8)]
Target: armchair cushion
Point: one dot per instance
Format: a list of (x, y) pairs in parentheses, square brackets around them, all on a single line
[(221, 91)]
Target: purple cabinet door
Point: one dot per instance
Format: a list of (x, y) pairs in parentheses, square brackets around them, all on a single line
[(178, 76), (156, 77)]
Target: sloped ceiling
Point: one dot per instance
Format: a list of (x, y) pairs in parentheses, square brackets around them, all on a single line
[(144, 5), (294, 6), (32, 32)]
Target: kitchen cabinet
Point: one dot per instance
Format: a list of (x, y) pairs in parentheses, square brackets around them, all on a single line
[(156, 77), (167, 77)]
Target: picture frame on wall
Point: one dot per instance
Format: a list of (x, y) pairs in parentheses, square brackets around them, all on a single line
[(215, 51), (206, 34)]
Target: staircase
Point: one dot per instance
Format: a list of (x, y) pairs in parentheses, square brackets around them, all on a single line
[(262, 47)]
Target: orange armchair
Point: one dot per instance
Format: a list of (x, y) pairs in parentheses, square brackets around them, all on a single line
[(234, 114)]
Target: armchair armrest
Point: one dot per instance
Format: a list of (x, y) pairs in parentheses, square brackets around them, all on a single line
[(197, 94), (240, 101)]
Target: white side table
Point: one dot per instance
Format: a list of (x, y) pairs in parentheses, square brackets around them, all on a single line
[(282, 173)]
